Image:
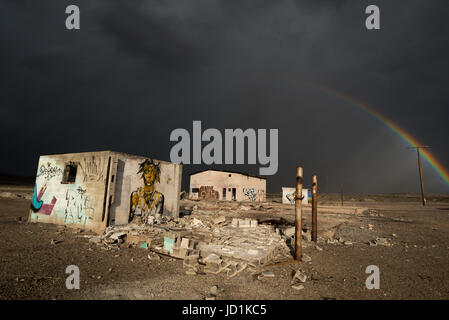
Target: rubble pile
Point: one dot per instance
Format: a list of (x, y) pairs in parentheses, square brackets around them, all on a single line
[(207, 241)]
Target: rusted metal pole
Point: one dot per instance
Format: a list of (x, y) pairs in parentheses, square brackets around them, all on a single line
[(314, 208), (420, 178), (298, 214)]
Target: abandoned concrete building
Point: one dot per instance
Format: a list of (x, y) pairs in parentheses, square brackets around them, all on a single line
[(94, 190), (227, 185)]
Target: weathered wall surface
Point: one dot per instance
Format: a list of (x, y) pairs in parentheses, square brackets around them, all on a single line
[(78, 203), (288, 195), (247, 188), (134, 193)]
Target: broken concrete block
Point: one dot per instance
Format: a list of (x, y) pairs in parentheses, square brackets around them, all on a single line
[(289, 232), (168, 244), (212, 259), (235, 271), (267, 274), (306, 258), (118, 235), (299, 275), (214, 290), (185, 243), (306, 236), (254, 223), (179, 252), (219, 219), (246, 223), (154, 256), (262, 276), (144, 245), (298, 286)]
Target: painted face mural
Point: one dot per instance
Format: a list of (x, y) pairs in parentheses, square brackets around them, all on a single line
[(146, 200)]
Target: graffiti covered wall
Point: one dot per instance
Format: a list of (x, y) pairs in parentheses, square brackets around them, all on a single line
[(145, 188), (288, 195), (69, 190), (96, 189), (227, 185)]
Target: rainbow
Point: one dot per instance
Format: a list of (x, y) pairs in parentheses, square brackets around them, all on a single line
[(407, 137)]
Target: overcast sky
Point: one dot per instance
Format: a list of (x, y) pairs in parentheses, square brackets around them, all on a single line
[(136, 70)]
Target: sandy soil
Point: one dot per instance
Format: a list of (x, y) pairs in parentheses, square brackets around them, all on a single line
[(413, 266)]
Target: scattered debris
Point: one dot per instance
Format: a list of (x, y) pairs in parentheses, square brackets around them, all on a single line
[(154, 256), (306, 258), (299, 275), (214, 290), (265, 274), (298, 286)]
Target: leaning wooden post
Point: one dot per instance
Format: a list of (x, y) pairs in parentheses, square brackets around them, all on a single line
[(298, 214), (314, 208)]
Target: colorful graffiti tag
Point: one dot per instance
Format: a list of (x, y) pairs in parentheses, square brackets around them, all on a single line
[(38, 205), (146, 200)]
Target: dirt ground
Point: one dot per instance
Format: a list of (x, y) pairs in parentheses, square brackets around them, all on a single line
[(413, 258)]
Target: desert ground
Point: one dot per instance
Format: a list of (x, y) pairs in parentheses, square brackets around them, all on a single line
[(409, 243)]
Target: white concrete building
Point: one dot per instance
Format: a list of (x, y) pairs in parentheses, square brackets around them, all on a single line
[(93, 190), (227, 185)]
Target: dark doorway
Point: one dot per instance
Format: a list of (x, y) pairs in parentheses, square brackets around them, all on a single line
[(234, 191)]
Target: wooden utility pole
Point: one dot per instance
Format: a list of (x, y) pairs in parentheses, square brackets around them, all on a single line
[(341, 194), (298, 214), (423, 198), (314, 208)]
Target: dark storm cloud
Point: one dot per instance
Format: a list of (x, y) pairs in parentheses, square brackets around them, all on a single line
[(139, 69), (165, 39)]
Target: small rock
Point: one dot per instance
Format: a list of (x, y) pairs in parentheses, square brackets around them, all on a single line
[(154, 256), (214, 290), (298, 286), (209, 298), (319, 248), (306, 258), (347, 243), (219, 219), (267, 274), (299, 275), (191, 272)]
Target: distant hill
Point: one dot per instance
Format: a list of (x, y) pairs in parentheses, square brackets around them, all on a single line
[(6, 179)]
